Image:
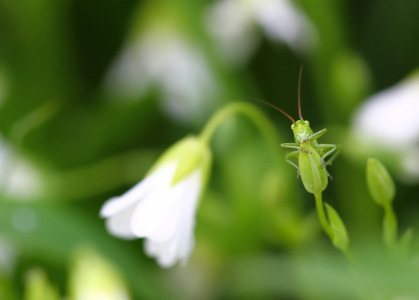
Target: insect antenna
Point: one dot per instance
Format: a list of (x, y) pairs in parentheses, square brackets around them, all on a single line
[(277, 108), (299, 93)]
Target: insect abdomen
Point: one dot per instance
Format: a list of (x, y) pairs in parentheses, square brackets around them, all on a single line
[(313, 176)]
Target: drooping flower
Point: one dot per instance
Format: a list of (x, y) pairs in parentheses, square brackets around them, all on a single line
[(160, 56), (232, 24), (389, 120), (161, 208)]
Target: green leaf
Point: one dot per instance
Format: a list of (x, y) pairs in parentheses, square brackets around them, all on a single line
[(340, 235), (380, 183)]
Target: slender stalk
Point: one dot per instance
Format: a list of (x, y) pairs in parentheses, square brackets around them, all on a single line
[(259, 119), (389, 226), (322, 215)]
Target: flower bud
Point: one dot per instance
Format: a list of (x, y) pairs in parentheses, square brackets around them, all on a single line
[(93, 277), (380, 183), (340, 236), (190, 153), (38, 287)]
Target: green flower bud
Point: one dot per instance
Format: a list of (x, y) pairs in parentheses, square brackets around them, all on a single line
[(380, 183), (93, 277), (340, 236), (38, 287), (190, 153)]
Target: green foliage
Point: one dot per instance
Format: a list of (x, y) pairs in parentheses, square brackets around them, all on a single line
[(72, 136)]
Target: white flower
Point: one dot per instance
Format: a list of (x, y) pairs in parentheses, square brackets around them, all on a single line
[(390, 119), (164, 58), (161, 208), (231, 23), (18, 177)]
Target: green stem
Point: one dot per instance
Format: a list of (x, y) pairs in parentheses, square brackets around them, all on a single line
[(260, 120), (389, 226), (33, 120), (322, 215)]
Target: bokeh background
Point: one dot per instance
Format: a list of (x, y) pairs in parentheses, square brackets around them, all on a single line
[(92, 92)]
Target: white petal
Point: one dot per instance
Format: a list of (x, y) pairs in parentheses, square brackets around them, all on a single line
[(231, 24), (149, 214), (283, 21), (158, 216), (120, 225), (117, 204), (162, 251), (169, 252), (391, 116), (179, 246)]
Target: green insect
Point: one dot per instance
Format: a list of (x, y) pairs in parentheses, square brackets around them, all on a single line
[(309, 157)]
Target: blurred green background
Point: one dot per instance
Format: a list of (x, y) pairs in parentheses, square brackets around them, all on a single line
[(92, 92)]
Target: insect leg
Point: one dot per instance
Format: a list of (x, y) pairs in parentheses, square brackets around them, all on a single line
[(334, 155), (292, 159), (316, 135), (325, 150), (294, 146)]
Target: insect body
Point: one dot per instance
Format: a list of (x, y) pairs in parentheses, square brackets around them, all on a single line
[(309, 157)]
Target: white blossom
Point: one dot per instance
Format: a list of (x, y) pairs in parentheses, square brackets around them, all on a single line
[(166, 60), (161, 208), (232, 24), (389, 119)]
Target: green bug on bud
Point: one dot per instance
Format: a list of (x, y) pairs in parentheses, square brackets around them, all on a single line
[(309, 157)]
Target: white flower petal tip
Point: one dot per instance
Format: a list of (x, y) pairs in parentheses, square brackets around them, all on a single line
[(389, 120), (116, 204), (162, 207), (390, 117), (109, 207)]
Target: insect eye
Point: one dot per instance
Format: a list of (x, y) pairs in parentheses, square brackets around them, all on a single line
[(307, 123)]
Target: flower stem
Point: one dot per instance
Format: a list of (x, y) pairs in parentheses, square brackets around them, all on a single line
[(389, 226), (260, 120), (322, 215)]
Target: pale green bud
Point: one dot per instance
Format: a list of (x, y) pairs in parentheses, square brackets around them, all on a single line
[(190, 153), (340, 236), (380, 183), (38, 287), (93, 277)]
